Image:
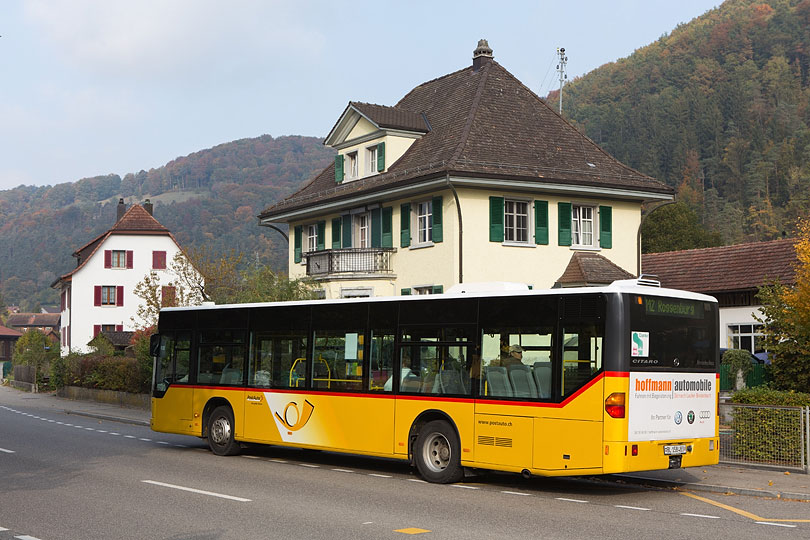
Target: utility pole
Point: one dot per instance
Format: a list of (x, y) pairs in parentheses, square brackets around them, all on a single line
[(561, 71)]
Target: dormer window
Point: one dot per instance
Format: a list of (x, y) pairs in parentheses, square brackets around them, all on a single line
[(371, 160), (351, 165)]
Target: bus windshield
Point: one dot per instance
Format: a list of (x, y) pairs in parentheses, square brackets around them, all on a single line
[(672, 333)]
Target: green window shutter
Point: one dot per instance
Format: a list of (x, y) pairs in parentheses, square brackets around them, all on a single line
[(405, 292), (336, 233), (541, 222), (496, 219), (338, 168), (387, 227), (347, 231), (321, 244), (438, 228), (381, 157), (376, 228), (297, 243), (564, 223), (405, 225), (438, 289), (605, 227)]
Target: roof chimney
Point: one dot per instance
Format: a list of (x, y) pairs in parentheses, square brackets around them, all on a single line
[(148, 206), (482, 55), (122, 208)]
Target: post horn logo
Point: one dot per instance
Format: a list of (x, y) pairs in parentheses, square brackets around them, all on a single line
[(294, 419)]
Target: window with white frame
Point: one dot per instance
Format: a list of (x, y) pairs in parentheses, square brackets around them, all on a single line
[(362, 230), (371, 159), (424, 222), (582, 226), (423, 290), (351, 165), (748, 337), (516, 221), (312, 238)]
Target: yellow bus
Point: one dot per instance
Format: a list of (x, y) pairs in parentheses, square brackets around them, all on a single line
[(554, 382)]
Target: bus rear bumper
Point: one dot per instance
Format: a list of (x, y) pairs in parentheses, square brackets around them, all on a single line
[(660, 455)]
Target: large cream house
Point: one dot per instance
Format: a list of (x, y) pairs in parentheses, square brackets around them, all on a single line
[(471, 177)]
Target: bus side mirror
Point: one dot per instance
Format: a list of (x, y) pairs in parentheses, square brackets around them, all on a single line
[(154, 345)]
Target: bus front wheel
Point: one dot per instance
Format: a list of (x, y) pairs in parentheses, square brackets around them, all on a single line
[(437, 453), (220, 432)]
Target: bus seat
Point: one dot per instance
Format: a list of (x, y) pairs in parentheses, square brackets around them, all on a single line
[(410, 384), (230, 376), (542, 376), (498, 382), (522, 381), (450, 382)]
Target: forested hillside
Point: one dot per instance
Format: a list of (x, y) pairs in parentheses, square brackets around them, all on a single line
[(210, 197), (718, 109)]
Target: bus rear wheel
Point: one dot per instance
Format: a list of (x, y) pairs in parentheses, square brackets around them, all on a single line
[(220, 432), (437, 453)]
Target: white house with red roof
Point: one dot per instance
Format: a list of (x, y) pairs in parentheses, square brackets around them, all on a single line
[(98, 295)]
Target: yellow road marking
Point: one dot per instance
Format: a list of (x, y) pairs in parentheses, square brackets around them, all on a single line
[(411, 530), (741, 512)]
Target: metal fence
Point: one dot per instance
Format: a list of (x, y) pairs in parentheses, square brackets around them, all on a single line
[(765, 436)]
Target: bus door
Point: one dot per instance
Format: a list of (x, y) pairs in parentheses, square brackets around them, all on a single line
[(172, 397)]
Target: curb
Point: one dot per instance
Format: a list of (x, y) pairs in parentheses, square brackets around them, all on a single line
[(108, 417), (710, 488)]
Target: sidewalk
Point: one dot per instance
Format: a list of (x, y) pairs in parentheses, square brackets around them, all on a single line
[(715, 479)]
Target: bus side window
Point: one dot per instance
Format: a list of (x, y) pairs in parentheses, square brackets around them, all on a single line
[(582, 355), (381, 361), (278, 360)]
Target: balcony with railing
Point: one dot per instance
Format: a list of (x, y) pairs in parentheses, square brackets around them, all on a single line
[(337, 262)]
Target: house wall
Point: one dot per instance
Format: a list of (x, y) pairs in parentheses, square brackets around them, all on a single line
[(438, 263), (733, 316), (82, 315)]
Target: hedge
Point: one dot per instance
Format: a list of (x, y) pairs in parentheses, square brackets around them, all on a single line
[(118, 373)]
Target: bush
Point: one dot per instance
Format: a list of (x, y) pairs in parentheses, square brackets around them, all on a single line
[(768, 434), (117, 373)]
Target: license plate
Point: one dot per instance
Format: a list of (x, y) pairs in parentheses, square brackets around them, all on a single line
[(674, 449)]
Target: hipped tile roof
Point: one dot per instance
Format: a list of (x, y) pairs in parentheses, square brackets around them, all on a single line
[(483, 123), (588, 268), (739, 267)]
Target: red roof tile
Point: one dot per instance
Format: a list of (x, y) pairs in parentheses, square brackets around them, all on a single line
[(588, 268), (727, 268), (9, 332)]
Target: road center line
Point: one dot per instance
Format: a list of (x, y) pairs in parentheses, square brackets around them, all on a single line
[(380, 475), (571, 500), (5, 451), (775, 524), (26, 537), (516, 493), (630, 507), (701, 516), (199, 491)]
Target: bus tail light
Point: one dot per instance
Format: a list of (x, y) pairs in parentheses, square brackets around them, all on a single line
[(614, 405)]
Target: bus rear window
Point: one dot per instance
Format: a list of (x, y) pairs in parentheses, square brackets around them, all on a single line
[(672, 333)]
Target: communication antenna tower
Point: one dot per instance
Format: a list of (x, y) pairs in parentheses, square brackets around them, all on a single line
[(561, 71)]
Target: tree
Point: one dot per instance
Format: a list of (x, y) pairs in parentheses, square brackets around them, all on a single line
[(261, 284), (34, 349), (185, 290), (675, 227), (786, 320)]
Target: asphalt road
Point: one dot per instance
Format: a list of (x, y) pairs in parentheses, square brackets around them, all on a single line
[(69, 477)]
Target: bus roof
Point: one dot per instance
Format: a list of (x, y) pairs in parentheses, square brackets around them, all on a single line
[(626, 286)]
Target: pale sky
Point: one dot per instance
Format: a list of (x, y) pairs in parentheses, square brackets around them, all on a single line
[(92, 87)]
